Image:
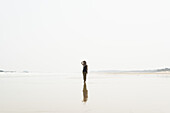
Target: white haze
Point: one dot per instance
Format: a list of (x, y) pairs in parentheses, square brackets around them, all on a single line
[(56, 35)]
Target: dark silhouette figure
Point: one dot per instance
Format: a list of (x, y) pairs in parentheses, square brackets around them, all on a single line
[(85, 93), (85, 70)]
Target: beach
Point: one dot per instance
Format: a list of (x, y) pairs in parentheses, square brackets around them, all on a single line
[(66, 93)]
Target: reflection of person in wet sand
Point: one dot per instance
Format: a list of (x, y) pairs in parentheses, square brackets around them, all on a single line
[(85, 93), (85, 70)]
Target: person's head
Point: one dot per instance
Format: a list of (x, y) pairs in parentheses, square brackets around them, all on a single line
[(83, 62)]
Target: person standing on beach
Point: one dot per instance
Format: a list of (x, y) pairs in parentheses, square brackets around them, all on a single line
[(85, 70)]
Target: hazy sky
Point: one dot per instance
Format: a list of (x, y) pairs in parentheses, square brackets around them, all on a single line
[(56, 35)]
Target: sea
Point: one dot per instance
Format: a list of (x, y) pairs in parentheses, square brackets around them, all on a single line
[(67, 93)]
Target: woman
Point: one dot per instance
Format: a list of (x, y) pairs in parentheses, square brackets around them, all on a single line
[(85, 68)]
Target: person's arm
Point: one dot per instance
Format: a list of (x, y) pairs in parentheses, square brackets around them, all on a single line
[(87, 69)]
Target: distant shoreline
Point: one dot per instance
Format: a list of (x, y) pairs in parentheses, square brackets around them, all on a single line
[(132, 73), (156, 71)]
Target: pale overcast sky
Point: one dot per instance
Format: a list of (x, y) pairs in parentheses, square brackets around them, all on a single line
[(56, 35)]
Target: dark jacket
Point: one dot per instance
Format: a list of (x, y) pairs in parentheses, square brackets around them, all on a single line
[(85, 68)]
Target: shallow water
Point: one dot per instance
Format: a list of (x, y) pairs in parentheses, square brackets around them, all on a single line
[(66, 93)]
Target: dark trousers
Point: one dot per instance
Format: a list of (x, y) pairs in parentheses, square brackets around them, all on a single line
[(84, 76)]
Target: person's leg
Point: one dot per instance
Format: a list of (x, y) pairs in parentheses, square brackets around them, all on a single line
[(84, 76)]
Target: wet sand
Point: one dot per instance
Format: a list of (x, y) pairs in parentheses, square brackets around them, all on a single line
[(66, 93)]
